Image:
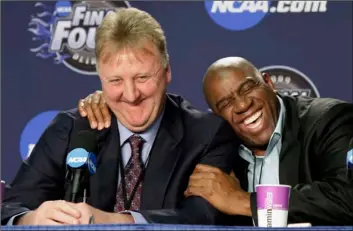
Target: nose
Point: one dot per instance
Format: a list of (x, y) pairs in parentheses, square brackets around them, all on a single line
[(131, 92), (242, 104)]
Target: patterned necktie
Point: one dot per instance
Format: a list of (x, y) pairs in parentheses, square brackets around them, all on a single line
[(133, 171)]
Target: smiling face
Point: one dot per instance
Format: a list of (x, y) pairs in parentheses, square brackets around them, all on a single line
[(134, 84), (246, 101)]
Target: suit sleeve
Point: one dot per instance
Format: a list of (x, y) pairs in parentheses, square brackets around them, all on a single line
[(42, 176), (195, 210), (329, 199)]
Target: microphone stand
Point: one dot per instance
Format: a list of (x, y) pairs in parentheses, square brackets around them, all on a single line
[(76, 184)]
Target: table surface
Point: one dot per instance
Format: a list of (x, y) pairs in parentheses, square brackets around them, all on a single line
[(164, 227)]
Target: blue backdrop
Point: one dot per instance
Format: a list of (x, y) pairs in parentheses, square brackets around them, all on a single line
[(306, 47)]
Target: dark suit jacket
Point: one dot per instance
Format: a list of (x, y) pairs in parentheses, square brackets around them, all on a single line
[(313, 161), (186, 137)]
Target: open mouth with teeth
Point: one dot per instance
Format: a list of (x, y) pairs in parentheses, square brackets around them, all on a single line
[(254, 121)]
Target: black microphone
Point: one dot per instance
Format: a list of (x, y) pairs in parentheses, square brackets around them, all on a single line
[(80, 165), (350, 161)]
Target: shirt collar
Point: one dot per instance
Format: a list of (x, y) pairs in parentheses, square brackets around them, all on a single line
[(281, 118), (149, 135)]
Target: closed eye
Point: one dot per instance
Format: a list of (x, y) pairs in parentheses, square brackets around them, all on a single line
[(223, 105), (142, 78), (248, 86), (114, 81)]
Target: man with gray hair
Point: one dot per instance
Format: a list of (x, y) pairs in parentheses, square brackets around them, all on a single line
[(145, 158)]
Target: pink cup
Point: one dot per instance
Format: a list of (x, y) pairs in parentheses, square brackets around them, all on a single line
[(272, 205)]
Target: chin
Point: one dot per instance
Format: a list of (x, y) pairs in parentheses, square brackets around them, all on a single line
[(262, 143), (137, 123), (257, 142), (136, 127)]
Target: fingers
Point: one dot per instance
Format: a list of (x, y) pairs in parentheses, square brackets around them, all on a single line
[(86, 212), (59, 216), (194, 191), (105, 112), (97, 111), (91, 117), (95, 108), (207, 168), (63, 212), (68, 209), (204, 176), (199, 182), (232, 174), (81, 108), (51, 222), (53, 213)]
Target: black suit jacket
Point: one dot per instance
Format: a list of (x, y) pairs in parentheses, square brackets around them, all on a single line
[(315, 142), (186, 137)]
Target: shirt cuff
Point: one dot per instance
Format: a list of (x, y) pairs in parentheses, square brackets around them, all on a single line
[(138, 218), (12, 219)]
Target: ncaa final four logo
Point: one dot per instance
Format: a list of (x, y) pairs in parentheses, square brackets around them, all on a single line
[(66, 31)]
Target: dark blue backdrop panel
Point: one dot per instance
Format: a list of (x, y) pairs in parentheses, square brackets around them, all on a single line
[(317, 44)]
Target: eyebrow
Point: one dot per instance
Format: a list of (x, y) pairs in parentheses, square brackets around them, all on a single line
[(225, 98), (108, 78), (137, 75), (247, 79)]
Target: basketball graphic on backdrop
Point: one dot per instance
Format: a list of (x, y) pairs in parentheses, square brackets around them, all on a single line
[(290, 81), (33, 130), (65, 31)]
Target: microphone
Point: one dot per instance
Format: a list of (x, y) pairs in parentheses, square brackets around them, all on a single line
[(350, 161), (80, 164)]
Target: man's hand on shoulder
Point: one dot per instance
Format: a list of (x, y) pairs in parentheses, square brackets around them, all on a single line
[(96, 109)]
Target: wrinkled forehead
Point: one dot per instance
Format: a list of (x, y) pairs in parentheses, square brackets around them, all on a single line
[(129, 63), (226, 79), (141, 52), (223, 83)]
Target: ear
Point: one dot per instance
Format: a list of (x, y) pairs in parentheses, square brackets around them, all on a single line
[(267, 79), (168, 74)]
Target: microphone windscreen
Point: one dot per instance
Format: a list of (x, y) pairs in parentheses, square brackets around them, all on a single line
[(84, 139)]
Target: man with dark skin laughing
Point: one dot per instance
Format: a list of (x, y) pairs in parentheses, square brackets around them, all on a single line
[(297, 141)]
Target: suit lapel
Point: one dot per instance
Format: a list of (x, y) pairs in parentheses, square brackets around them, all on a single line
[(291, 147), (163, 157), (103, 184), (241, 172)]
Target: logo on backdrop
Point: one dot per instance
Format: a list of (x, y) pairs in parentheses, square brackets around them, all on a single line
[(66, 31), (33, 130), (242, 15), (290, 81)]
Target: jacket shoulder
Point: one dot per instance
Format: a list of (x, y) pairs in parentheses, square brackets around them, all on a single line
[(313, 111), (318, 107), (189, 112), (66, 123), (74, 117), (199, 123)]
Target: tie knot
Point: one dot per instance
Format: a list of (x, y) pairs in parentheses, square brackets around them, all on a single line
[(136, 142)]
